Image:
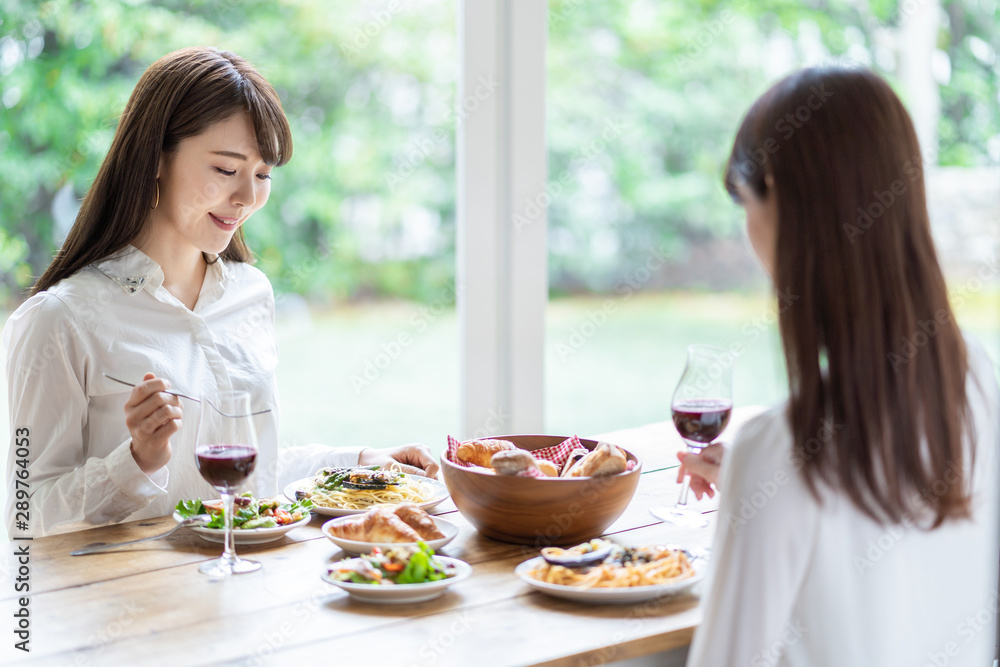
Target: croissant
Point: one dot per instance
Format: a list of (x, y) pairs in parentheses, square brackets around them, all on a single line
[(419, 520), (480, 452), (604, 460), (379, 524)]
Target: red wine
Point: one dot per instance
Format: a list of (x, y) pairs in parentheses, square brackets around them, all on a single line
[(226, 466), (702, 420)]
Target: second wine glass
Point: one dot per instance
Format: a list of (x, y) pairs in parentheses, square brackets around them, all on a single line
[(226, 454), (700, 407)]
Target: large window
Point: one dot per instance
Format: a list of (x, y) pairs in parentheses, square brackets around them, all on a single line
[(646, 251), (362, 238)]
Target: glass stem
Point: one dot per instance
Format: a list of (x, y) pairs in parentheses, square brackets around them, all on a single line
[(682, 500), (228, 554)]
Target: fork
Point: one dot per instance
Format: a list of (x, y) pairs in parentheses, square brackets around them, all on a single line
[(191, 398), (190, 521)]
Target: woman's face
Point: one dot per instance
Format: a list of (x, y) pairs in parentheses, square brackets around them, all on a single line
[(762, 223), (210, 185)]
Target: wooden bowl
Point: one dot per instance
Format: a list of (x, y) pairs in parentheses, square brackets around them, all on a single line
[(541, 512)]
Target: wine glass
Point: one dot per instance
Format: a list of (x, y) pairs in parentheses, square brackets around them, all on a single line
[(701, 407), (226, 454)]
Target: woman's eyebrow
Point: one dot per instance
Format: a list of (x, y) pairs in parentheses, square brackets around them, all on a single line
[(238, 156)]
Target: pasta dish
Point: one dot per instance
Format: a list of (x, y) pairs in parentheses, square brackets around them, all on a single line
[(623, 567), (363, 487)]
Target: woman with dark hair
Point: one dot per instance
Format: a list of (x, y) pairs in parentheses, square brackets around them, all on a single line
[(155, 278), (858, 522)]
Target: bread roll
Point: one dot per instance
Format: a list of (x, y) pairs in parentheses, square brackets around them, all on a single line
[(547, 467), (574, 456), (512, 462), (606, 459), (480, 452)]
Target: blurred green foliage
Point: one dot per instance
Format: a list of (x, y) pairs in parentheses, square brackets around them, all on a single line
[(644, 97), (678, 76)]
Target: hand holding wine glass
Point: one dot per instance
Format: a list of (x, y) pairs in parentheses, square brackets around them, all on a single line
[(701, 407), (226, 455), (703, 469)]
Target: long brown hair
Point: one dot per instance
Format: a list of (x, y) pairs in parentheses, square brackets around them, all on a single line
[(870, 340), (179, 96)]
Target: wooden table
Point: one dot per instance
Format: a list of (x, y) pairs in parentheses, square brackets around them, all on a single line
[(148, 604)]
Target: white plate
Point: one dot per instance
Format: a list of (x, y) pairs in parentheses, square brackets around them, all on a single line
[(439, 489), (611, 595), (252, 536), (356, 548), (404, 593)]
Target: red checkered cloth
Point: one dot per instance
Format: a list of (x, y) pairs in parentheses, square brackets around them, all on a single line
[(557, 454)]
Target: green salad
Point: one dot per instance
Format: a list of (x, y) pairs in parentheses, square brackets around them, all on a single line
[(248, 512), (397, 565)]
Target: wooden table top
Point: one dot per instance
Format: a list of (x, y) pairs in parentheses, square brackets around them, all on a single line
[(148, 604)]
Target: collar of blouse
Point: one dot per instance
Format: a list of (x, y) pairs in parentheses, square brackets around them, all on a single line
[(135, 271)]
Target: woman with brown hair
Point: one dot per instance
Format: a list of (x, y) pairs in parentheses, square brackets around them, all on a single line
[(153, 285), (858, 522)]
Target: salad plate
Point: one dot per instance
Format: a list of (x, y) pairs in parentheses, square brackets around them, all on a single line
[(240, 535), (356, 548), (439, 495), (400, 593), (251, 536)]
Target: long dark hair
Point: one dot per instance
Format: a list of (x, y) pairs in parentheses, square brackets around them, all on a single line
[(179, 96), (876, 362)]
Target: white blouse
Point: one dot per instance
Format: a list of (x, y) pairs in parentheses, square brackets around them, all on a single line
[(115, 317), (797, 583)]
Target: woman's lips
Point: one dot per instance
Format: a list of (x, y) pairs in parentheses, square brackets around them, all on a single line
[(228, 224)]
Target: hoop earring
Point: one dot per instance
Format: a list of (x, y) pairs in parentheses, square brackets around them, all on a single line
[(157, 202)]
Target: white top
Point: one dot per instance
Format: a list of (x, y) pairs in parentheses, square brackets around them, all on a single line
[(115, 317), (794, 582)]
